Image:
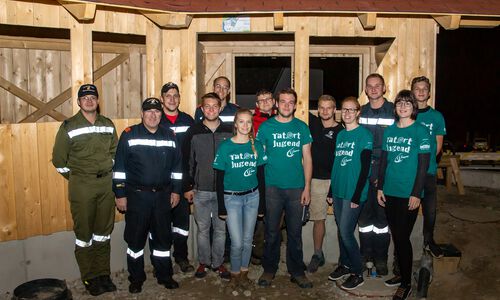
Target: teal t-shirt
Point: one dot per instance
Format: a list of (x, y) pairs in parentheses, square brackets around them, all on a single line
[(239, 164), (283, 144), (403, 145), (434, 122), (347, 162)]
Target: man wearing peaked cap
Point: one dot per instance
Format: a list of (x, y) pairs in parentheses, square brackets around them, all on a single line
[(179, 122), (83, 153), (147, 182)]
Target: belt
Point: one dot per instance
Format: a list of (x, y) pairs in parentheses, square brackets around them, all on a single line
[(153, 189), (241, 193)]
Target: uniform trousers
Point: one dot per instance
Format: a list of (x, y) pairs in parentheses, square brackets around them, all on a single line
[(180, 230), (148, 212), (92, 207)]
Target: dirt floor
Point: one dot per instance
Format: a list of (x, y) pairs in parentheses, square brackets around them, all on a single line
[(470, 222)]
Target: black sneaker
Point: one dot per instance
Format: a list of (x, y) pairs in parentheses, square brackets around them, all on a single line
[(339, 273), (201, 271), (107, 283), (434, 250), (94, 287), (135, 287), (169, 283), (402, 293), (185, 266), (316, 262), (353, 282), (394, 281)]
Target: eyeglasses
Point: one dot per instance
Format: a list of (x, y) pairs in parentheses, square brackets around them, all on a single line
[(222, 87), (265, 100), (404, 104), (88, 98), (349, 110)]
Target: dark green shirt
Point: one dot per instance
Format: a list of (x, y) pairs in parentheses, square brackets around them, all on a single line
[(283, 144), (434, 122), (347, 163), (239, 164), (403, 146)]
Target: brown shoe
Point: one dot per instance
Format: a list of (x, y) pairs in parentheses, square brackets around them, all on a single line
[(302, 282), (266, 279), (245, 282)]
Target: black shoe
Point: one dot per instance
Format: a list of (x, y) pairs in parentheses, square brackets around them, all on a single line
[(302, 282), (201, 271), (265, 279), (223, 272), (135, 287), (107, 283), (381, 268), (339, 273), (394, 281), (94, 287), (353, 282), (169, 283), (316, 262), (402, 293), (434, 250), (185, 266)]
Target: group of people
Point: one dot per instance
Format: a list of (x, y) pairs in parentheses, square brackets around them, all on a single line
[(237, 166)]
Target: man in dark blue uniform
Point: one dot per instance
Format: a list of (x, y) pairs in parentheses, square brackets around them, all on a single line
[(179, 122), (147, 182), (374, 236), (222, 87)]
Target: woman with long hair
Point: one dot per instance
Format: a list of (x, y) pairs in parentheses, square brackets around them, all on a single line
[(239, 163), (349, 188), (404, 162)]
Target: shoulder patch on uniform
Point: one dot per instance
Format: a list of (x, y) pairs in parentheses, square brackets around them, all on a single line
[(128, 129)]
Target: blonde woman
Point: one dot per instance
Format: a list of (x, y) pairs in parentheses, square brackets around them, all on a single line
[(240, 191)]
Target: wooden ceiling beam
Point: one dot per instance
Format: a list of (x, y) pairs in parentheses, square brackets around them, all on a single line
[(368, 20), (448, 22), (169, 20), (278, 19), (81, 11), (479, 23)]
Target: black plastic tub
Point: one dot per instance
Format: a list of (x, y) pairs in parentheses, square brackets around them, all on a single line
[(43, 289)]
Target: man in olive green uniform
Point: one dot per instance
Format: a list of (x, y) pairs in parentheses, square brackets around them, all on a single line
[(83, 153)]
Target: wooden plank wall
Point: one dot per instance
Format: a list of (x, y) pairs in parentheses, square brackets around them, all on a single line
[(33, 196), (46, 73)]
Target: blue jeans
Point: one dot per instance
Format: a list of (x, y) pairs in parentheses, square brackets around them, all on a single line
[(206, 213), (241, 217), (346, 219), (277, 201)]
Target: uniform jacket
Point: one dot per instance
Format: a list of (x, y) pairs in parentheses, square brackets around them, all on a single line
[(84, 148), (182, 124), (376, 120), (149, 160), (198, 151)]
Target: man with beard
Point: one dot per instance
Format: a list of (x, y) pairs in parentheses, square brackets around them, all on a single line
[(324, 132), (287, 142)]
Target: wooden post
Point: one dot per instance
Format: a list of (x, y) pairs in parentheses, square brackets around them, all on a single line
[(81, 58), (301, 72), (153, 59)]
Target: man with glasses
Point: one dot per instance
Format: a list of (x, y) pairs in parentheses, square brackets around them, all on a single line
[(434, 122), (264, 108), (374, 233), (179, 122), (222, 87), (287, 142), (200, 145), (83, 153)]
